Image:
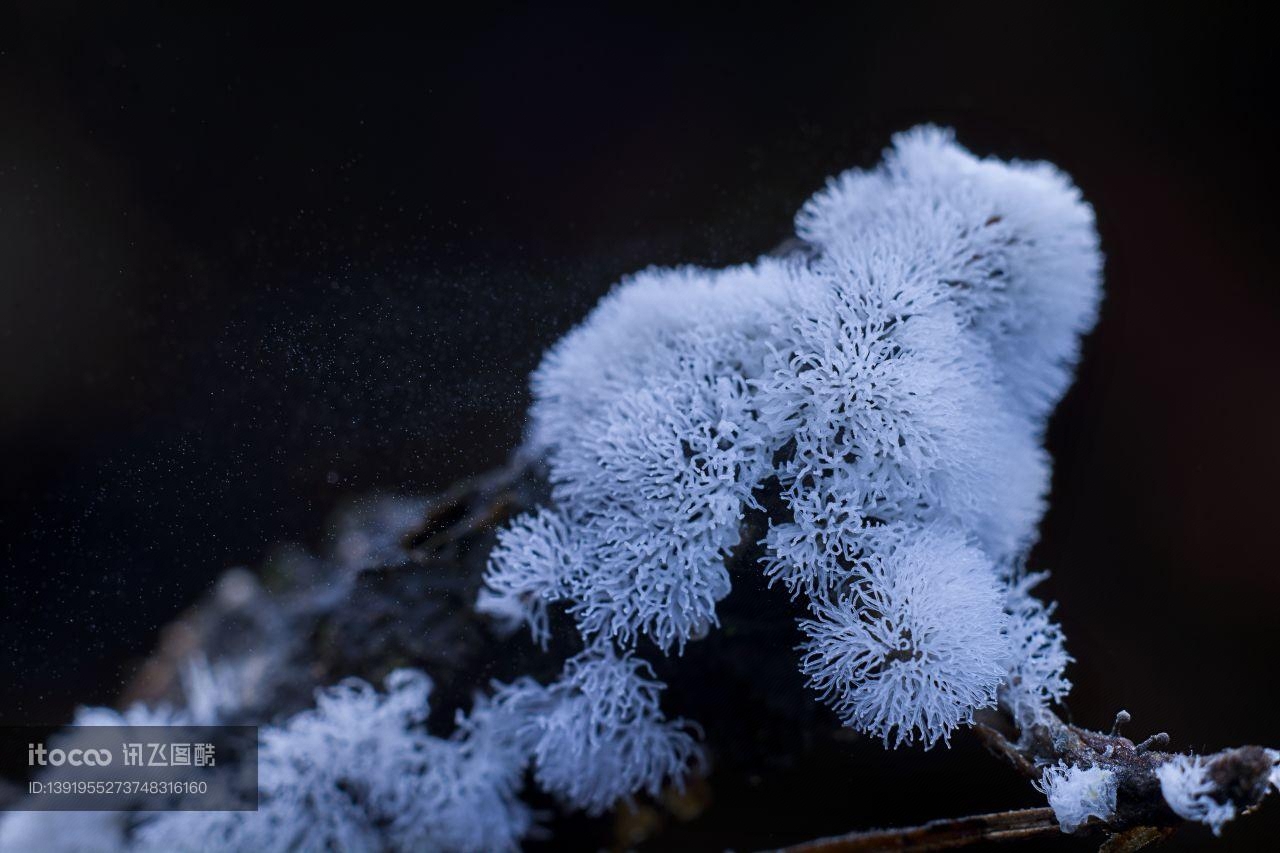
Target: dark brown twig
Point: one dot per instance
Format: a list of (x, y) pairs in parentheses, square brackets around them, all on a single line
[(940, 834)]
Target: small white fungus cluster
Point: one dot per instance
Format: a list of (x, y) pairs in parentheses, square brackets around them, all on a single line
[(1035, 678), (598, 734), (1185, 783), (875, 653), (359, 772), (1078, 793)]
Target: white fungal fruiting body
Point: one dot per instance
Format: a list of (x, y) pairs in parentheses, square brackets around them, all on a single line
[(646, 418), (889, 383), (1185, 783), (599, 735), (1038, 655), (1016, 237), (358, 772), (915, 645), (531, 565), (895, 401), (1077, 793)]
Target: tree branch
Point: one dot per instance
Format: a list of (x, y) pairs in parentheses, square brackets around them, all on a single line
[(940, 834), (1240, 775)]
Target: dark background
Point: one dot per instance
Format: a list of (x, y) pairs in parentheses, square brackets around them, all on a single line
[(251, 266)]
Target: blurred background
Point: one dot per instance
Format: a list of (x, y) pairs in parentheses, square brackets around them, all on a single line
[(253, 265)]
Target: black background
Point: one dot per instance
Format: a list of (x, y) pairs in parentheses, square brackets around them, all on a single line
[(252, 265)]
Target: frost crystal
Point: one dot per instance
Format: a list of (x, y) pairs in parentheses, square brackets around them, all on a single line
[(1076, 794), (886, 389), (1185, 783)]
